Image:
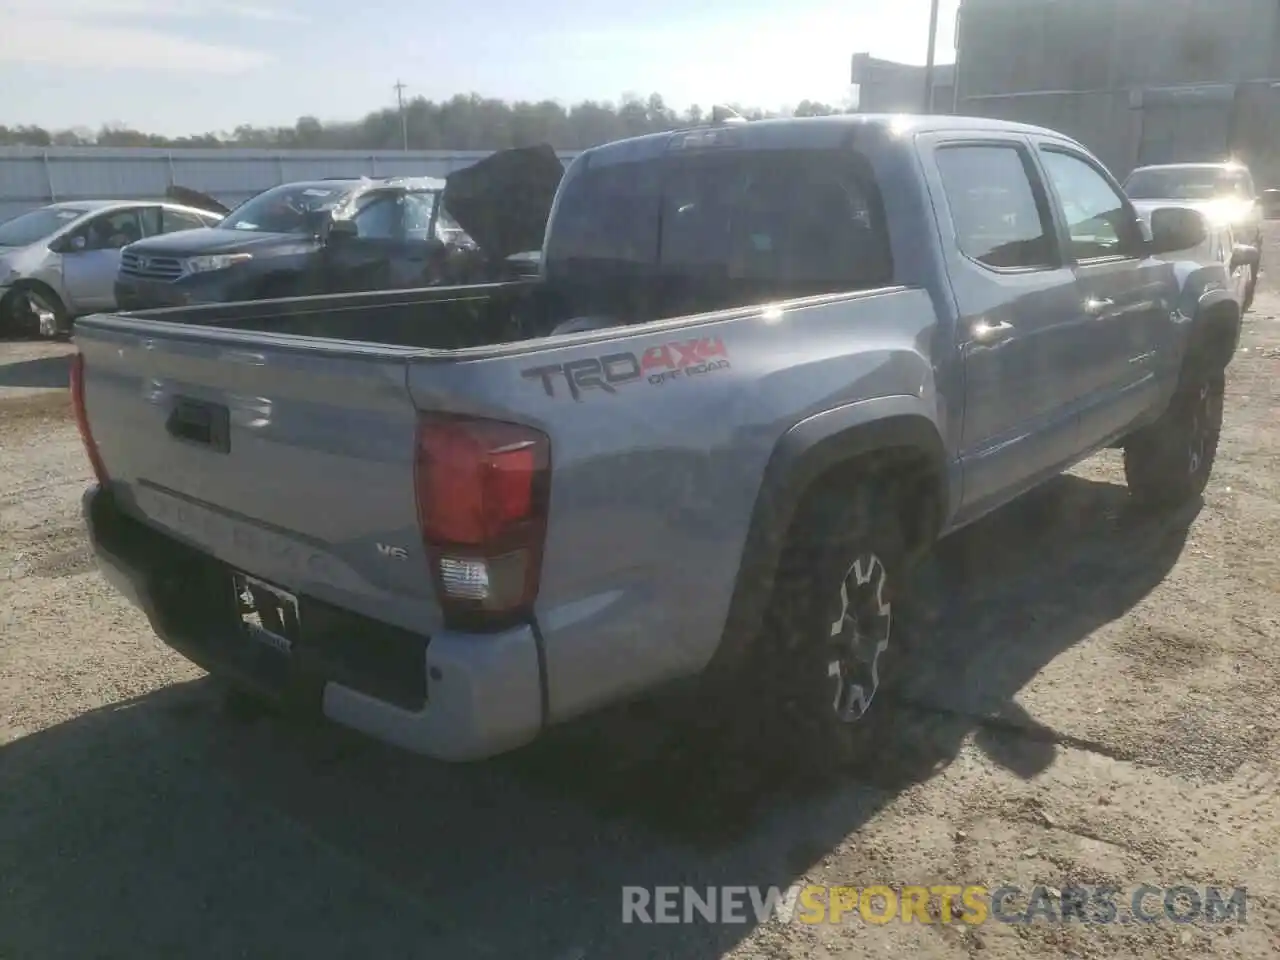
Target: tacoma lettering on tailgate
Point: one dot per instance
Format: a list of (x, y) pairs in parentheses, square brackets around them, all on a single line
[(657, 365)]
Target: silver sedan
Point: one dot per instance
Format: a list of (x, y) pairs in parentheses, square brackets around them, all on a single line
[(60, 261)]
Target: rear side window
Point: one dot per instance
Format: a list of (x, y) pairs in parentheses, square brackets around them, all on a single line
[(788, 223), (608, 215), (175, 220), (997, 219)]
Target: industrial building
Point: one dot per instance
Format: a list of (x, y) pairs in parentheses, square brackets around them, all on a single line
[(1137, 81), (885, 86)]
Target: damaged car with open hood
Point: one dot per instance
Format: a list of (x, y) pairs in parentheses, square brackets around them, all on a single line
[(482, 224)]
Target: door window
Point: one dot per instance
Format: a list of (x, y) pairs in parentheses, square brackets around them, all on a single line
[(998, 219), (175, 220), (378, 216), (724, 226), (111, 231), (418, 208), (1099, 220)]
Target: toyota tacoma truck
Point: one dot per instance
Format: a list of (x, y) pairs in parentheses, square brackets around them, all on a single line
[(764, 366)]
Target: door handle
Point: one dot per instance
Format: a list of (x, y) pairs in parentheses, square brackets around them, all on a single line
[(991, 332), (1097, 305)]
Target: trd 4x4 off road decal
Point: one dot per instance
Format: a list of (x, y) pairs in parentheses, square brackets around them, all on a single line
[(657, 365)]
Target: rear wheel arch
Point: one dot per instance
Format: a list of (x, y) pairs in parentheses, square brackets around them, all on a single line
[(8, 308), (1215, 333), (900, 454)]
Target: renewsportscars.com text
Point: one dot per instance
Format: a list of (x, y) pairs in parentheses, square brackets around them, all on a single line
[(938, 903)]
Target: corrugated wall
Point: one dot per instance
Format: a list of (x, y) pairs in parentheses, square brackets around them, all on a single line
[(1102, 70), (32, 177)]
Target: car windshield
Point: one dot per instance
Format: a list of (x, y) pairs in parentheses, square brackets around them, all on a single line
[(701, 231), (1186, 183), (37, 225), (286, 209)]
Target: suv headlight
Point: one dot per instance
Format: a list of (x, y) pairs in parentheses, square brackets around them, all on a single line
[(217, 261)]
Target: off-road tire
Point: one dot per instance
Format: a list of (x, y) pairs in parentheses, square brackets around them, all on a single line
[(1169, 462), (813, 716)]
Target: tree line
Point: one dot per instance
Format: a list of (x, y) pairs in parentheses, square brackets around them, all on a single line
[(464, 122)]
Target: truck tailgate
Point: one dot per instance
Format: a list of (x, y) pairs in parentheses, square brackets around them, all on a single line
[(288, 459)]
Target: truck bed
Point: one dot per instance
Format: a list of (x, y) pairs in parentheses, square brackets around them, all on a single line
[(437, 318)]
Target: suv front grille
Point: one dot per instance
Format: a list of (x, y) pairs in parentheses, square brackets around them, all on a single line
[(149, 267)]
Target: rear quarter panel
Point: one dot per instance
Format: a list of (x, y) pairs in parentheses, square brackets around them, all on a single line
[(656, 474)]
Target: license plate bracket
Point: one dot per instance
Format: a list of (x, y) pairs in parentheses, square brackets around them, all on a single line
[(267, 614)]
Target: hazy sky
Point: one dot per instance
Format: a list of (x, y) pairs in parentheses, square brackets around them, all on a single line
[(187, 66)]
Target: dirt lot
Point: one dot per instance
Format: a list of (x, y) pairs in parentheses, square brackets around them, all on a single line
[(1098, 705)]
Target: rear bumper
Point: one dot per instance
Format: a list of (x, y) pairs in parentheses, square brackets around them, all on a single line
[(484, 694)]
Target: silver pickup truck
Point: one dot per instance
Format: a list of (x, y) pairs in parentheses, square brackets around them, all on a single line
[(766, 365)]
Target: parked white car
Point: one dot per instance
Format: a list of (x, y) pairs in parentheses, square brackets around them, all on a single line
[(1222, 243), (60, 261)]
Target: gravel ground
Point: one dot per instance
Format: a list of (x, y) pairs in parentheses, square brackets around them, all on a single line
[(1097, 705)]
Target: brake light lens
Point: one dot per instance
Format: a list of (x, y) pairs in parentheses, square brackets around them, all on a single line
[(82, 419), (482, 488)]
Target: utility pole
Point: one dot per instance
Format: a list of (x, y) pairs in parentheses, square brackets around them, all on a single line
[(933, 49), (404, 118), (955, 70)]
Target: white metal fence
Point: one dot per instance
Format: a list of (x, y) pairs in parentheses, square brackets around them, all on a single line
[(32, 177)]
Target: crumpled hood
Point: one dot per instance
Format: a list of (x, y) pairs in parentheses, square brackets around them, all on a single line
[(187, 243), (503, 201), (194, 198)]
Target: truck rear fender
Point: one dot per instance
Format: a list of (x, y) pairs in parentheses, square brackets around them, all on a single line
[(895, 432)]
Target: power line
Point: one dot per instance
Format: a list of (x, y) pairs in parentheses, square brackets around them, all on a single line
[(404, 118)]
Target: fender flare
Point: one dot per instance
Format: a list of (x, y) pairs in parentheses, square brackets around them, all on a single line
[(800, 457), (1212, 329), (1212, 298)]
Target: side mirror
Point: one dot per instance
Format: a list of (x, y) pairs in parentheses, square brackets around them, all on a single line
[(340, 231), (70, 244), (1176, 228), (1243, 255)]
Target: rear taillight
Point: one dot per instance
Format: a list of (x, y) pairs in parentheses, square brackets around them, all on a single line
[(82, 418), (482, 488)]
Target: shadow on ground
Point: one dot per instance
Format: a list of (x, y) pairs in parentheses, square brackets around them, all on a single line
[(166, 827), (39, 372)]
